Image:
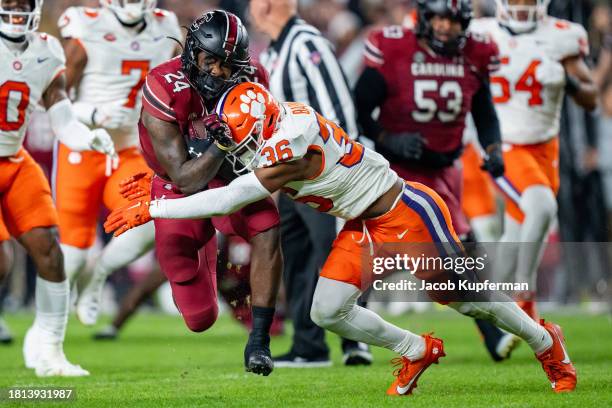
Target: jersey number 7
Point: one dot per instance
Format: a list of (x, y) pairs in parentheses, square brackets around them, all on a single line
[(127, 66)]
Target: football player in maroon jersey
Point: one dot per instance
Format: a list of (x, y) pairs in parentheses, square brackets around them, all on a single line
[(425, 81), (176, 98)]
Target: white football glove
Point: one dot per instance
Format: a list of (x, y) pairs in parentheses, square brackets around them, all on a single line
[(550, 73), (102, 142), (112, 115)]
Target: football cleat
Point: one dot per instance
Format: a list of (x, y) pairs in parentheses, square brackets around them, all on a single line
[(498, 343), (292, 360), (409, 371), (556, 362), (257, 357), (109, 332), (356, 353), (5, 334), (53, 363), (90, 300)]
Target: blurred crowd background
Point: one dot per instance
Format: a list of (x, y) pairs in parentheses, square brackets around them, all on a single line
[(585, 200)]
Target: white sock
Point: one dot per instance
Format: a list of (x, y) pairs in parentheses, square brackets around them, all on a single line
[(51, 310), (74, 261), (124, 249), (510, 317), (334, 308)]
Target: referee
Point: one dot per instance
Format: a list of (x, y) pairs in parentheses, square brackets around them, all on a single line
[(303, 68)]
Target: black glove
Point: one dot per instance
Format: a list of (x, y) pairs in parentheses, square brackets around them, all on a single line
[(494, 162), (219, 132), (407, 145)]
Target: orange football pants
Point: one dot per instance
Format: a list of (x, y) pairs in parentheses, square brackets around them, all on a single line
[(82, 184), (526, 166), (420, 216), (25, 196), (478, 188)]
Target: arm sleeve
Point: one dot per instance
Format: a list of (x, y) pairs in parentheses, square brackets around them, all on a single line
[(67, 128), (370, 93), (214, 202), (485, 117)]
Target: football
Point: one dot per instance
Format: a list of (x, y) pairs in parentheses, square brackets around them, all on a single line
[(196, 138)]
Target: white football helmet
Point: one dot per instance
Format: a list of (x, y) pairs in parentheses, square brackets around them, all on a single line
[(129, 11), (16, 21), (523, 18)]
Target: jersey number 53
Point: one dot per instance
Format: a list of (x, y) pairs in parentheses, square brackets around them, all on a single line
[(427, 100)]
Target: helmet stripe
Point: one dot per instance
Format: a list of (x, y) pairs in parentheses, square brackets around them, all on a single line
[(231, 35)]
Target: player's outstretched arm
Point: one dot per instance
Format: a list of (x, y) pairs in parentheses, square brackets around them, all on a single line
[(190, 175), (65, 125), (579, 83), (239, 193)]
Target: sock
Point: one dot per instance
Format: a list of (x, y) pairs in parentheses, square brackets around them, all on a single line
[(51, 309), (124, 249), (412, 347), (334, 308), (510, 317), (74, 261), (262, 319)]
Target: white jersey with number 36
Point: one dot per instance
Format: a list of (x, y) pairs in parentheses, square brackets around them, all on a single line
[(351, 177), (24, 78), (528, 89), (118, 59)]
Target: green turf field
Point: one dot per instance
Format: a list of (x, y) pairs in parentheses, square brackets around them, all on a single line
[(158, 363)]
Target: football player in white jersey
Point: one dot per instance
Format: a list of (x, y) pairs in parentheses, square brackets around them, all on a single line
[(289, 146), (109, 50), (541, 61), (32, 69)]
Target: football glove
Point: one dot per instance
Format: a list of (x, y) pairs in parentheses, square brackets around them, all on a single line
[(219, 132), (102, 142), (137, 186), (494, 161), (129, 216), (407, 145), (112, 115)]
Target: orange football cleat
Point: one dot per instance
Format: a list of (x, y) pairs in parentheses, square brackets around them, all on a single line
[(556, 362), (410, 371)]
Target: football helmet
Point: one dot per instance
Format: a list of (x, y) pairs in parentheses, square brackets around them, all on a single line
[(252, 115), (456, 10), (521, 18), (16, 20), (129, 12), (220, 34)]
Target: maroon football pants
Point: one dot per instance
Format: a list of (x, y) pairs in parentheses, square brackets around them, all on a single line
[(187, 252)]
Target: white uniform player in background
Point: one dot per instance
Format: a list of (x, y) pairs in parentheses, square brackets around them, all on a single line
[(110, 50), (289, 146), (32, 69), (541, 61)]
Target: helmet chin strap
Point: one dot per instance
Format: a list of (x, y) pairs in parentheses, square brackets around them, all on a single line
[(15, 40)]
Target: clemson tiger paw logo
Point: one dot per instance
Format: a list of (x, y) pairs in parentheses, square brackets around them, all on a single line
[(253, 103)]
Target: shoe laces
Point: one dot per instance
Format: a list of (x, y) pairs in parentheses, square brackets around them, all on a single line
[(400, 365)]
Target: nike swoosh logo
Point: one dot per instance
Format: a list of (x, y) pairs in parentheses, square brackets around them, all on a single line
[(158, 38), (41, 60), (401, 236), (403, 390), (566, 360)]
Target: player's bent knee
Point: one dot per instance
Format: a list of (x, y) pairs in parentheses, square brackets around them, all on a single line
[(326, 312), (201, 320), (539, 201)]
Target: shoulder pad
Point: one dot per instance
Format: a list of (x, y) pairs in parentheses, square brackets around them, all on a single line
[(571, 39), (74, 22)]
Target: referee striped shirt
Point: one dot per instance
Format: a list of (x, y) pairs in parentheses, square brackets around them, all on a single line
[(303, 68)]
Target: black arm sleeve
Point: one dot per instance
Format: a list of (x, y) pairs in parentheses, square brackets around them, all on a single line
[(485, 117), (370, 93)]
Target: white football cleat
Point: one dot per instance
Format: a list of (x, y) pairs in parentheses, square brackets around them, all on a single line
[(53, 363), (90, 300), (31, 347)]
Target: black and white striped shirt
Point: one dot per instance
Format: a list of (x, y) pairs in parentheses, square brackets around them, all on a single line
[(303, 68)]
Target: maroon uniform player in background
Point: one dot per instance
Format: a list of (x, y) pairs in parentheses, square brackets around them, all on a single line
[(176, 97), (425, 82)]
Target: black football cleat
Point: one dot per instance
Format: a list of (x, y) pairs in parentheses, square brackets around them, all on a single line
[(5, 334), (257, 356), (110, 332), (355, 353), (498, 343)]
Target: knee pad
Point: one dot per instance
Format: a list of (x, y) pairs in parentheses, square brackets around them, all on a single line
[(201, 320), (539, 201)]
